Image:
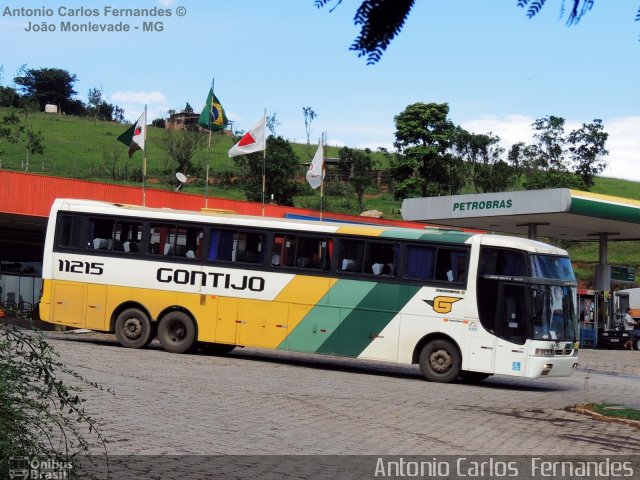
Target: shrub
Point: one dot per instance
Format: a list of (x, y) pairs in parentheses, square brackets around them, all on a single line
[(41, 416)]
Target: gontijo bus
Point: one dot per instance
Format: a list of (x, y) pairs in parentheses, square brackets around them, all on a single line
[(458, 304)]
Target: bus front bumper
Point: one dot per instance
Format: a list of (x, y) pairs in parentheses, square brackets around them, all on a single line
[(552, 366)]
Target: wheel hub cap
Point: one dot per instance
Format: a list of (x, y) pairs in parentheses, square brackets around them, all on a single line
[(440, 361)]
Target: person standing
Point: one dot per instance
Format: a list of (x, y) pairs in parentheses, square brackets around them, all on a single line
[(629, 324)]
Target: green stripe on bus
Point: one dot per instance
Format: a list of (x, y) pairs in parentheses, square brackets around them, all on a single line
[(434, 235), (318, 325), (449, 236), (358, 329), (404, 234)]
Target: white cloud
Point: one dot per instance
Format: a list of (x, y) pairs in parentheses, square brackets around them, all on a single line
[(166, 3), (139, 97), (134, 103), (510, 128), (624, 148)]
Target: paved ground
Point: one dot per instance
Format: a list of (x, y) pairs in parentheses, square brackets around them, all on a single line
[(256, 402)]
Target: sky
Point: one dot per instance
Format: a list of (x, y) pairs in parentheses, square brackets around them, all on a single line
[(498, 70)]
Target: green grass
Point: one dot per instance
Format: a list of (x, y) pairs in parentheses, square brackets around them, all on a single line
[(616, 411)]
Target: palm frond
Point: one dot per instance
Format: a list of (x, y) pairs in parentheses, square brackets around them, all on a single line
[(322, 3), (381, 21), (577, 13), (535, 7)]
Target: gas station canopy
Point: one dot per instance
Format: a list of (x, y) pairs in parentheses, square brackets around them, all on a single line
[(555, 213)]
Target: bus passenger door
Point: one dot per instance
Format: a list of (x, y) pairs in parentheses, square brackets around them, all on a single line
[(96, 301), (68, 304), (511, 330), (227, 320)]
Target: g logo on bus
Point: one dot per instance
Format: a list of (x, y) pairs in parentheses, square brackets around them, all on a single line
[(442, 304)]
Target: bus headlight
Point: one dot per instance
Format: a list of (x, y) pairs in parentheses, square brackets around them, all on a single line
[(546, 369), (544, 352)]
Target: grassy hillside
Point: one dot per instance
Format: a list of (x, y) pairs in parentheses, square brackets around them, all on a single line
[(85, 148)]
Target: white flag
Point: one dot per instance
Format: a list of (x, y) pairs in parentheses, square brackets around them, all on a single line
[(315, 174), (252, 141), (139, 130)]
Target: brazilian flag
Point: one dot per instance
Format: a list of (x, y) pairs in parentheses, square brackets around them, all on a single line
[(213, 116)]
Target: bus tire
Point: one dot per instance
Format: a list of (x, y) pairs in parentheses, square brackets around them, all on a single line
[(177, 332), (473, 377), (440, 361), (133, 328)]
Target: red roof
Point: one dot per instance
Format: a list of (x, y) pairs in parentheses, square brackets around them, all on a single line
[(33, 194)]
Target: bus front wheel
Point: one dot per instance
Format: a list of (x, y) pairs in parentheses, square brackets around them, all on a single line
[(440, 361), (177, 332), (133, 329)]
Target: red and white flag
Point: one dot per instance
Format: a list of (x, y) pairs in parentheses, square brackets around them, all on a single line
[(252, 141), (315, 174)]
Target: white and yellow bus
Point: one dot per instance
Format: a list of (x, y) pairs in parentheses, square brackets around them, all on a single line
[(460, 305)]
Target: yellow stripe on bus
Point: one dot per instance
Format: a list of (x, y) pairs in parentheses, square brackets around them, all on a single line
[(360, 230)]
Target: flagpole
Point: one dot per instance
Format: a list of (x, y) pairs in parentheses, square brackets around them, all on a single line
[(144, 161), (206, 184), (264, 159), (323, 141)]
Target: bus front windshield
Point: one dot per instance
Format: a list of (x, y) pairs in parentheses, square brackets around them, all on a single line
[(553, 306), (554, 312)]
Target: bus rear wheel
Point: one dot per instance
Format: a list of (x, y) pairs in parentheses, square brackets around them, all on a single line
[(177, 332), (440, 361), (133, 328)]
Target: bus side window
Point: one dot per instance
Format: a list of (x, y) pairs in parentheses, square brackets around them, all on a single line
[(101, 234), (236, 246), (380, 259), (451, 265), (70, 232), (419, 262), (351, 256)]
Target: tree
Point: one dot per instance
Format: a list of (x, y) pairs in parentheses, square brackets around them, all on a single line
[(281, 169), (360, 165), (34, 144), (95, 99), (110, 157), (48, 85), (182, 145), (33, 141), (587, 149), (482, 153), (309, 116), (9, 130), (422, 165), (273, 123), (548, 161), (118, 114), (159, 123), (381, 21), (188, 108)]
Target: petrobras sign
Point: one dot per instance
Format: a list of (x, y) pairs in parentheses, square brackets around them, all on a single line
[(486, 205), (483, 205)]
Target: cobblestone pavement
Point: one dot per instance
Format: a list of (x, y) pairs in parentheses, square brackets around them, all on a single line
[(258, 402)]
